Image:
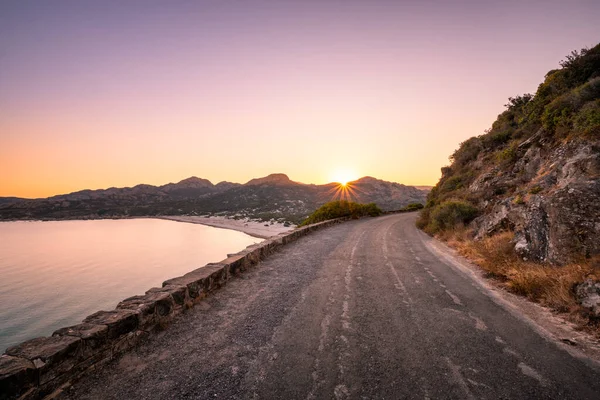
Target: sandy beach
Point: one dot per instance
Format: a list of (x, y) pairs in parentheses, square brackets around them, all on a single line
[(263, 230)]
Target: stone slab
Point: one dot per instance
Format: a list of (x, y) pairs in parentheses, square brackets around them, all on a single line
[(119, 322), (94, 337), (52, 356), (17, 375)]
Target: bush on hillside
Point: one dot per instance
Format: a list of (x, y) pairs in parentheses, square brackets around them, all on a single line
[(342, 208), (447, 215), (412, 207), (587, 120), (467, 151)]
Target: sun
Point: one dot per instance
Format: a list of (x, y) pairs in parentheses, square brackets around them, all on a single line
[(343, 188), (343, 176)]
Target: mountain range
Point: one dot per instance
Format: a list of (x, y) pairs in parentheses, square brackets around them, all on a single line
[(272, 197)]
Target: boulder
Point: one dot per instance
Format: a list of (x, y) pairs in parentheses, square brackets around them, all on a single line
[(588, 295)]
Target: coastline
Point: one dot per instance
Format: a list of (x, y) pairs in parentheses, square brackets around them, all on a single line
[(249, 227)]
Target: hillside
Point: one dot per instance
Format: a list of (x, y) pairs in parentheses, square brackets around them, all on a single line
[(8, 200), (271, 197), (535, 173)]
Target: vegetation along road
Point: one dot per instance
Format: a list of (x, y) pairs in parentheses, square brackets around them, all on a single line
[(364, 309)]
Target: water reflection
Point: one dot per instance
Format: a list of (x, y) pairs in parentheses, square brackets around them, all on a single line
[(54, 274)]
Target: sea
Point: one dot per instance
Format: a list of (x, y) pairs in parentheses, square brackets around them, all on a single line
[(53, 274)]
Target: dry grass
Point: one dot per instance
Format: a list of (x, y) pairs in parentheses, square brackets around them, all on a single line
[(551, 286)]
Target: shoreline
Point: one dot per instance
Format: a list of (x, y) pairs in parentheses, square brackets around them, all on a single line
[(249, 227)]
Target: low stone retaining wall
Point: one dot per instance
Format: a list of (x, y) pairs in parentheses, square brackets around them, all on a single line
[(42, 366)]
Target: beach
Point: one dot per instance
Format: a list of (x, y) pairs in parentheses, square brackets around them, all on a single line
[(263, 230)]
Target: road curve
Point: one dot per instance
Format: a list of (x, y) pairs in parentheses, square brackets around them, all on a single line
[(359, 310)]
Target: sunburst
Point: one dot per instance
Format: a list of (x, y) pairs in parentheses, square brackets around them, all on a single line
[(345, 191)]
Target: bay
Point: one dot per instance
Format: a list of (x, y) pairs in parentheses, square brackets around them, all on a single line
[(54, 274)]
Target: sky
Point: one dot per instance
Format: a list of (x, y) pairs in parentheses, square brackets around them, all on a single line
[(95, 94)]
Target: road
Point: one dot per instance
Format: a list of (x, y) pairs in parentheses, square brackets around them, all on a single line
[(363, 309)]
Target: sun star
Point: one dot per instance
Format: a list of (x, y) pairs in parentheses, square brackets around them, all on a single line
[(343, 176)]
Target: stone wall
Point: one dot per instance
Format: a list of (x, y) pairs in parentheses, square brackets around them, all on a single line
[(43, 366)]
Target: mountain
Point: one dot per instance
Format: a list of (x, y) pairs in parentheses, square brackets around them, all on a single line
[(424, 188), (271, 197), (387, 195), (190, 187), (273, 179), (535, 173), (8, 200)]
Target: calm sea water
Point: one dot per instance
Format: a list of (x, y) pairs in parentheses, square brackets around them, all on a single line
[(54, 274)]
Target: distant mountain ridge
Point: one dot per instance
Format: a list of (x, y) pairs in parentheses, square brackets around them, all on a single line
[(274, 196), (7, 200)]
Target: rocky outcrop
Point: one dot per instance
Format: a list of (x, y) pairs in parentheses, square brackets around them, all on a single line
[(588, 295), (552, 201), (536, 171)]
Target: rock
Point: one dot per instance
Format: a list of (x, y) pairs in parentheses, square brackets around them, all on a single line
[(568, 341), (128, 341), (573, 212), (17, 375), (495, 220), (522, 247), (52, 356), (178, 293), (153, 308), (119, 322), (536, 229), (588, 295), (93, 337), (557, 217)]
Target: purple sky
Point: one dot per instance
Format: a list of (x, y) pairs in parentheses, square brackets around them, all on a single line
[(114, 93)]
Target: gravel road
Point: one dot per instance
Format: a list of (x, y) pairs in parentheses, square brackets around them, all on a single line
[(363, 309)]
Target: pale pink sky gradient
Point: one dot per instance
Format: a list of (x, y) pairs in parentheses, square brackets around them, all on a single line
[(99, 94)]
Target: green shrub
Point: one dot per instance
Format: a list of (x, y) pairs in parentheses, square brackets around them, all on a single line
[(423, 219), (587, 120), (413, 207), (451, 213), (508, 155), (588, 91), (558, 113), (467, 151), (342, 208), (452, 183), (517, 103), (496, 138)]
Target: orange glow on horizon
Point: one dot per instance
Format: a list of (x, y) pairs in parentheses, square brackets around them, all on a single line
[(343, 176), (108, 95), (345, 191)]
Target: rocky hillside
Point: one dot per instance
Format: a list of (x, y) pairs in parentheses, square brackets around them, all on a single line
[(271, 197), (536, 172)]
